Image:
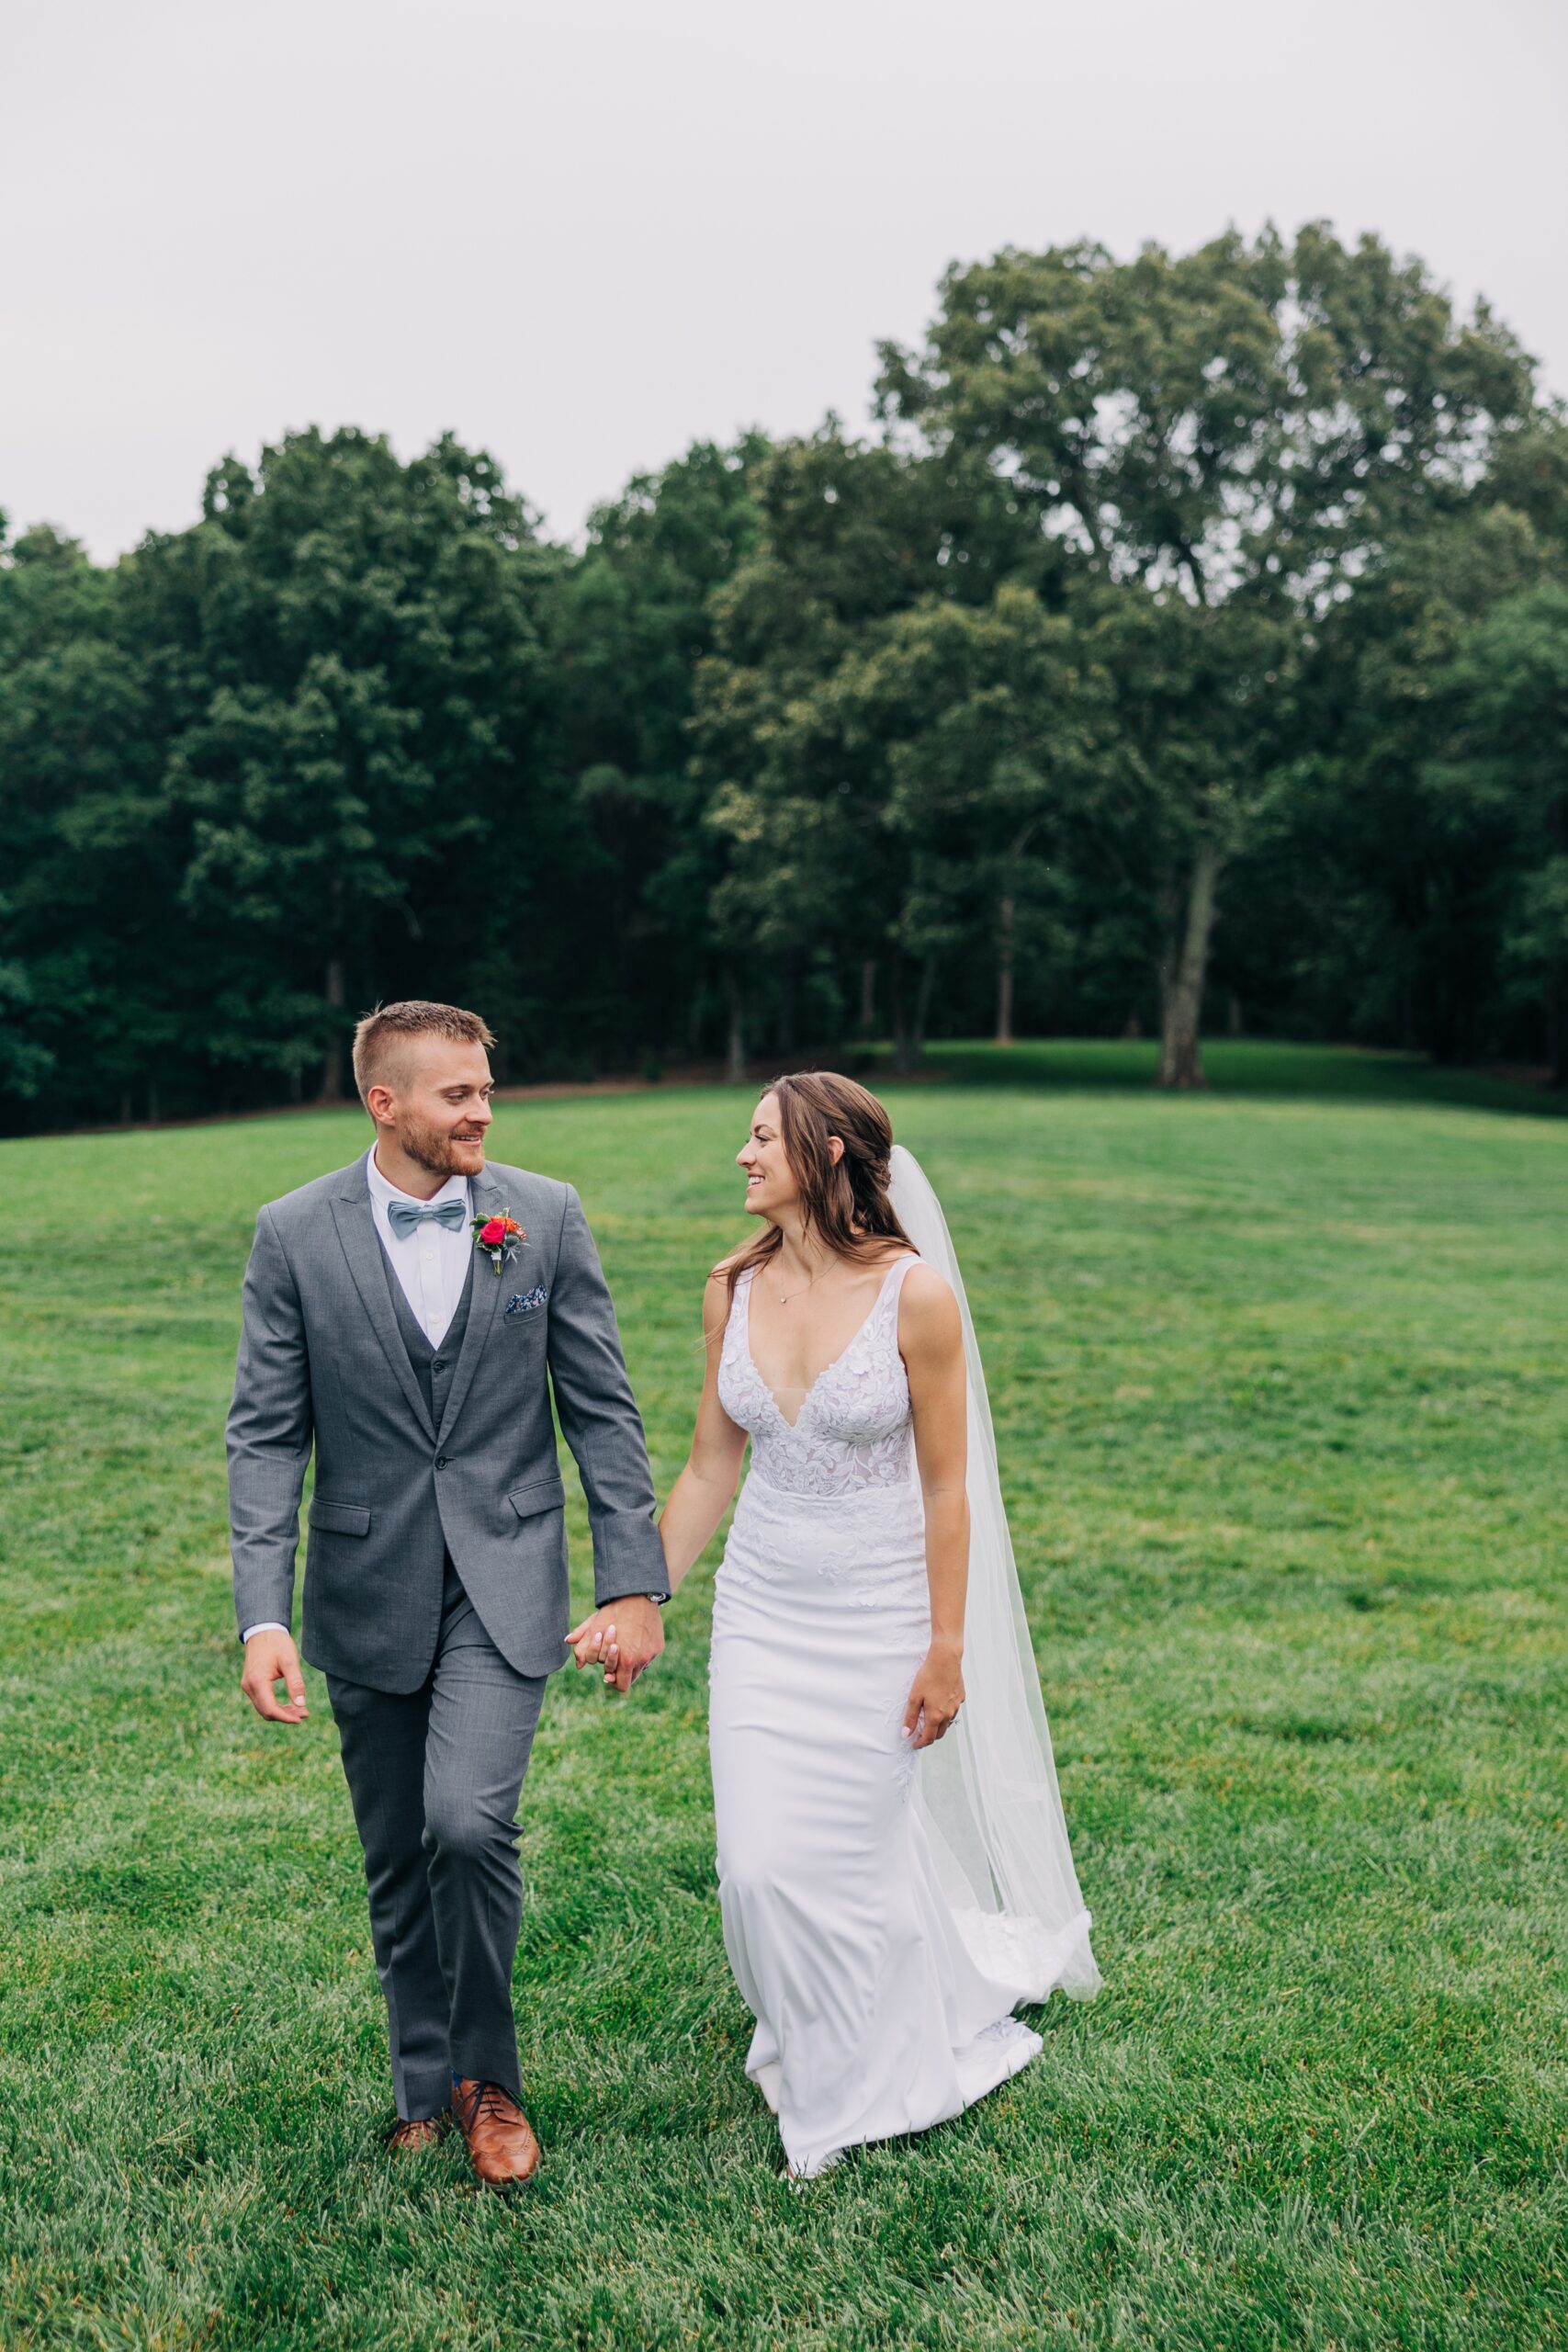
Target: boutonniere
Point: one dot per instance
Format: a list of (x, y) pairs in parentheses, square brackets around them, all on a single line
[(499, 1238)]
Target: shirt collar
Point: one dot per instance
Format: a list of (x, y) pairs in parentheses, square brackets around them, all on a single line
[(455, 1188)]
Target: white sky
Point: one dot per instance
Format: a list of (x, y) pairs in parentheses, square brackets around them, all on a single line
[(584, 234)]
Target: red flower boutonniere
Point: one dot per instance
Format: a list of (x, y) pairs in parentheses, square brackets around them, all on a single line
[(499, 1238)]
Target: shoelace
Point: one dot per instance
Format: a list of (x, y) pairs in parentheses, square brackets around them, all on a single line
[(489, 2100)]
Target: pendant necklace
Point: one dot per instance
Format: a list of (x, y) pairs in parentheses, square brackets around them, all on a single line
[(786, 1296)]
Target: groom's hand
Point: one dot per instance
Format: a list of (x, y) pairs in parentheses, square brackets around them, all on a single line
[(624, 1637), (272, 1657)]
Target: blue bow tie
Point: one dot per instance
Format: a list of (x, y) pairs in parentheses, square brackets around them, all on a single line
[(402, 1217)]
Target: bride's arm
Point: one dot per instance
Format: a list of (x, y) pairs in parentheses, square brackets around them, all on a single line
[(701, 1494), (930, 1338)]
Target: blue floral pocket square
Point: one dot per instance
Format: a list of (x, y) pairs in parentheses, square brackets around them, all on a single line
[(525, 1301)]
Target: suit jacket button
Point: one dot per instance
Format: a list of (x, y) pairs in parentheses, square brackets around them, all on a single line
[(441, 1462), (439, 1365)]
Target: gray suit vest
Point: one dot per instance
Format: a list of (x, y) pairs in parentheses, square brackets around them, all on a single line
[(433, 1366)]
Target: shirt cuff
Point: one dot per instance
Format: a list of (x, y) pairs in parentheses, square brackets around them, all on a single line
[(264, 1625)]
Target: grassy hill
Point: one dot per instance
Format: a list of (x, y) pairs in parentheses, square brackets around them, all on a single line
[(1278, 1383)]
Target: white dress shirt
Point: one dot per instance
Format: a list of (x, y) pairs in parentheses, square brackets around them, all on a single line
[(431, 1264)]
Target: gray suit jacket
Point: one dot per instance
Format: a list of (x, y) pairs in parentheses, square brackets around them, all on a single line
[(323, 1364)]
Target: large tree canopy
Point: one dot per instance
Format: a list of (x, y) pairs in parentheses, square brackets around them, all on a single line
[(1246, 425), (1186, 634)]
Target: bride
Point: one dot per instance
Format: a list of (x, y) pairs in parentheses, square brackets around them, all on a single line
[(894, 1870)]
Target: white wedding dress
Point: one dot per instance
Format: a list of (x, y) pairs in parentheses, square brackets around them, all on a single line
[(884, 1910)]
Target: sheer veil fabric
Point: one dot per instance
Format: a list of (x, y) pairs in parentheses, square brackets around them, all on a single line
[(988, 1792)]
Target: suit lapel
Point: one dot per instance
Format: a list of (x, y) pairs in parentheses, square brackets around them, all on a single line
[(361, 1247), (484, 1293)]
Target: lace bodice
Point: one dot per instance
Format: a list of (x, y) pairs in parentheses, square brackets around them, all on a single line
[(853, 1430)]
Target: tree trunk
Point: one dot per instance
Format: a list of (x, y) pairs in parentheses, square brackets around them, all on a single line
[(1181, 1060), (904, 1049), (1556, 1006), (332, 1072), (735, 1048), (909, 1021), (923, 1002), (1005, 916), (867, 1022), (789, 1017)]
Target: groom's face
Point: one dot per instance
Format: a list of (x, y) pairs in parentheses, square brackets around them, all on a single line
[(441, 1107)]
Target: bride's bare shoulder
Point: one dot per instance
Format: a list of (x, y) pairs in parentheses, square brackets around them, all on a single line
[(719, 1288), (928, 1310), (893, 1253), (717, 1292)]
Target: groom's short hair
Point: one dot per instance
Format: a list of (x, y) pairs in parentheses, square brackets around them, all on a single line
[(382, 1037)]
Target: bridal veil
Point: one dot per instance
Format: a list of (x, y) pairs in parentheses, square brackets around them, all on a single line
[(987, 1791)]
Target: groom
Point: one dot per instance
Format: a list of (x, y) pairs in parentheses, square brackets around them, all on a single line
[(407, 1319)]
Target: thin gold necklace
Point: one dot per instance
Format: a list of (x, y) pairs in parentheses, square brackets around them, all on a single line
[(786, 1296)]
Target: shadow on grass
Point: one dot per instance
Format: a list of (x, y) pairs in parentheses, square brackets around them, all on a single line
[(1238, 1067)]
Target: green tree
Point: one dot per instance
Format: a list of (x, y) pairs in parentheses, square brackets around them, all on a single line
[(825, 883), (1204, 702), (1508, 693), (627, 631), (1370, 899), (90, 853), (350, 655), (1244, 425), (988, 727)]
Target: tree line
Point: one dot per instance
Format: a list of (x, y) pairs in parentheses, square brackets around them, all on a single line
[(1185, 643)]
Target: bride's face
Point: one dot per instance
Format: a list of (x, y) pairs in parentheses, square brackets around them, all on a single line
[(771, 1188)]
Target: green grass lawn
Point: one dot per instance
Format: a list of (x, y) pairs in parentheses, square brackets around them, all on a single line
[(1278, 1383)]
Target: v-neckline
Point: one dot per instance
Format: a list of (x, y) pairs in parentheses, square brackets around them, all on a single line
[(858, 1333)]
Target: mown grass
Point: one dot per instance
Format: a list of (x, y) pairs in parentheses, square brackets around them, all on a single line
[(1279, 1384)]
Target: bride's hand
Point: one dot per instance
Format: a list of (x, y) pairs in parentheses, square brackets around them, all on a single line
[(935, 1695)]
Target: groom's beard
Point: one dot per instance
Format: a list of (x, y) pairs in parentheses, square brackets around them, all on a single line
[(438, 1153)]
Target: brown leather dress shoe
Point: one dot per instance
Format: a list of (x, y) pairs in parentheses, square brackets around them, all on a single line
[(410, 2138), (501, 2146)]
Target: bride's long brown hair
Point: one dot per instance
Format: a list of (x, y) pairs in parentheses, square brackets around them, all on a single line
[(845, 1201)]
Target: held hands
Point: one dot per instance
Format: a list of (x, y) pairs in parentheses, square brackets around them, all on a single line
[(624, 1637), (271, 1657), (935, 1695)]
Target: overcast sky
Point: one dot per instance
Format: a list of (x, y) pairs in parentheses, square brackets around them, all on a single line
[(584, 234)]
